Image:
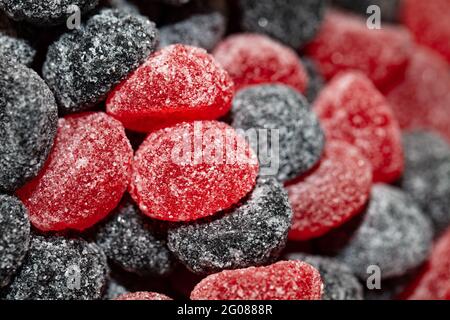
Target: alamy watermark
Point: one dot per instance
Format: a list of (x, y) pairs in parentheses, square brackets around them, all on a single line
[(373, 281), (73, 277), (374, 20), (227, 147), (74, 19)]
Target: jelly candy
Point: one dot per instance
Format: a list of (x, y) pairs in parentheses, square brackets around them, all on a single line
[(14, 236), (60, 269), (251, 233), (293, 135), (284, 280), (177, 83), (256, 59), (134, 242), (85, 176), (84, 65), (192, 170), (332, 193), (351, 109), (28, 121)]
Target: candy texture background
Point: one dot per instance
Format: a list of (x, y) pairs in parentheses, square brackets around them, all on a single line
[(224, 150)]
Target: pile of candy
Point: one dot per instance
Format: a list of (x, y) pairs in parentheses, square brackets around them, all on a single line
[(241, 149)]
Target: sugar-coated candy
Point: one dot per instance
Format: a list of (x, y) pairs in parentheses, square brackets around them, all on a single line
[(299, 135), (200, 30), (338, 280), (44, 12), (14, 236), (389, 9), (393, 235), (28, 121), (177, 83), (315, 80), (57, 268), (433, 283), (345, 43), (332, 193), (256, 59), (82, 66), (422, 98), (292, 22), (252, 233), (427, 175), (284, 280), (143, 296), (351, 109), (429, 23), (192, 170), (85, 176), (15, 49), (134, 242)]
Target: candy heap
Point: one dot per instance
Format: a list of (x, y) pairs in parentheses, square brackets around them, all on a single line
[(224, 150)]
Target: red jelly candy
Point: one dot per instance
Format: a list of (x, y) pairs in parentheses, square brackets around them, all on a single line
[(345, 43), (175, 84), (422, 98), (85, 175), (330, 195), (285, 280), (256, 59), (143, 296), (351, 109), (192, 170), (429, 22), (434, 281)]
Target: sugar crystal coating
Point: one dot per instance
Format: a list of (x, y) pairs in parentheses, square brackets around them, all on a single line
[(389, 9), (422, 98), (14, 236), (338, 280), (345, 43), (256, 59), (332, 193), (85, 176), (134, 242), (143, 296), (177, 83), (57, 268), (44, 12), (285, 280), (250, 234), (28, 120), (351, 109), (315, 79), (292, 22), (200, 30), (433, 283), (393, 235), (85, 64), (429, 23), (286, 112), (192, 170), (16, 49), (427, 175)]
